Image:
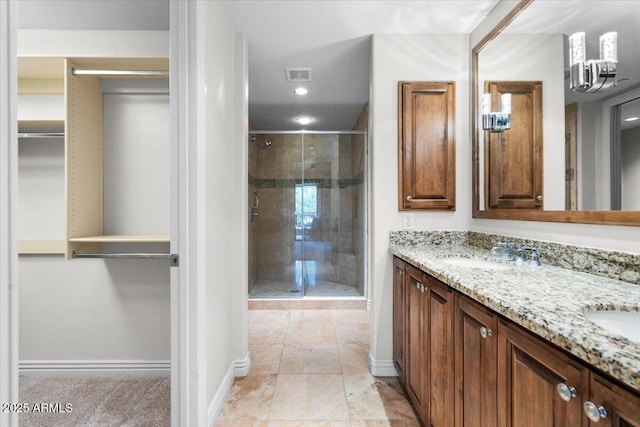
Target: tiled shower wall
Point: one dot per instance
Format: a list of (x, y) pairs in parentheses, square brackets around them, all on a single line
[(336, 164)]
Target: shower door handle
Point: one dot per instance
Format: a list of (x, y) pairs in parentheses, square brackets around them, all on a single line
[(255, 194), (253, 212)]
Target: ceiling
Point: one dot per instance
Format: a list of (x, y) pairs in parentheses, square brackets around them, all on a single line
[(333, 38)]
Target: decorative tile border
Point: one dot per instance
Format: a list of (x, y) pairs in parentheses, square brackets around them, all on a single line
[(611, 264), (344, 183)]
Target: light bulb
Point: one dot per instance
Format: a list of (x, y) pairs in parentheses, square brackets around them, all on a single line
[(609, 47), (300, 91), (577, 48), (304, 120)]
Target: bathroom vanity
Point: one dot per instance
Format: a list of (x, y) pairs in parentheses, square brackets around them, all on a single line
[(481, 341)]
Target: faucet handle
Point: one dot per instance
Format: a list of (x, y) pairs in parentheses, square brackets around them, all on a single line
[(534, 259)]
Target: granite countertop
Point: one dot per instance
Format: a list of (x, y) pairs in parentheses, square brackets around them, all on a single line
[(549, 301)]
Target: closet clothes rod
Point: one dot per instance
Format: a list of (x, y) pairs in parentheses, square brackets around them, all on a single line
[(41, 135), (120, 73), (152, 255)]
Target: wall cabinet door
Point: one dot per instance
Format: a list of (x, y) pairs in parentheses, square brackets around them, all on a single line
[(399, 318), (513, 158), (476, 364), (440, 361), (415, 337), (426, 145), (529, 372), (622, 408)]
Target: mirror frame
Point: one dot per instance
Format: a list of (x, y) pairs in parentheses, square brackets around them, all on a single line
[(631, 218)]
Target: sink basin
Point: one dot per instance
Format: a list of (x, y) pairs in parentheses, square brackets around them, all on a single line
[(625, 323), (475, 263)]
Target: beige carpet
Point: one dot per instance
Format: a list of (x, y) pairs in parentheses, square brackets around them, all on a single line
[(96, 402)]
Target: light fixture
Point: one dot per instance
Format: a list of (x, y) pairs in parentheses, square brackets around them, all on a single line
[(631, 119), (303, 120), (496, 121), (300, 91), (590, 76)]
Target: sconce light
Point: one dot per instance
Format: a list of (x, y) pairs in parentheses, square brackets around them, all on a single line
[(596, 74), (496, 122)]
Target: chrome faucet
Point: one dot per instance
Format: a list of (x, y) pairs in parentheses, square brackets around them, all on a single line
[(518, 253), (534, 259), (504, 249)]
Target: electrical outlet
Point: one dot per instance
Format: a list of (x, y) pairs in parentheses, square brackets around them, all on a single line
[(407, 221)]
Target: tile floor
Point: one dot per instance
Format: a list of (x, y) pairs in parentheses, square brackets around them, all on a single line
[(309, 369)]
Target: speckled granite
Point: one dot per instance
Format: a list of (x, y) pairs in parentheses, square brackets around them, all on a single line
[(614, 265), (611, 264), (547, 300)]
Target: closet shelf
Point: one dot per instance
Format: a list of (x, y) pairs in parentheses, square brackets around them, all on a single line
[(123, 238)]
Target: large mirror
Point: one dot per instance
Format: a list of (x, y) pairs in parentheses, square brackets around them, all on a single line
[(574, 157)]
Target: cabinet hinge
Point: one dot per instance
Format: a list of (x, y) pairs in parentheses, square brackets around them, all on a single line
[(174, 260)]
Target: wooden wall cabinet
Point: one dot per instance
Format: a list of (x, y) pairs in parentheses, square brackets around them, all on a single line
[(513, 158), (426, 145)]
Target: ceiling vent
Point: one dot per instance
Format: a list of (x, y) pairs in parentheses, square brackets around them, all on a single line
[(298, 74)]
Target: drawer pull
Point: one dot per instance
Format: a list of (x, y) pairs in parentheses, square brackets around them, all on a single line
[(485, 332), (566, 393), (594, 413)]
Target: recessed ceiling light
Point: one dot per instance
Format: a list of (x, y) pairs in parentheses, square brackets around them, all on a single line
[(631, 119), (304, 120), (300, 91)]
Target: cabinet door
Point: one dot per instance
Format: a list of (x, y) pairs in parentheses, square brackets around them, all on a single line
[(415, 337), (476, 358), (399, 318), (514, 157), (622, 407), (439, 408), (529, 371), (426, 147)]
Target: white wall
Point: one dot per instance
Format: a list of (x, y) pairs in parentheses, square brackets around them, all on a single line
[(223, 121), (517, 57), (631, 169), (396, 57), (99, 310), (606, 237)]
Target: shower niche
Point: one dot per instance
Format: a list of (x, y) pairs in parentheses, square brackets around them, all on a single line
[(306, 225)]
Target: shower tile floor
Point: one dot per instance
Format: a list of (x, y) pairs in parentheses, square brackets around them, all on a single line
[(309, 369), (274, 289)]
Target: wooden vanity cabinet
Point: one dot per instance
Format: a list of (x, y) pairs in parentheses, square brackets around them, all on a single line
[(529, 372), (426, 145), (399, 319), (622, 407), (428, 344), (476, 364)]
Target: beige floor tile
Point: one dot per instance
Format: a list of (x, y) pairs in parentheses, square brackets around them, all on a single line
[(310, 333), (354, 358), (249, 400), (309, 397), (241, 423), (351, 316), (352, 333), (385, 423), (268, 317), (310, 359), (312, 316), (309, 424), (371, 398), (265, 359), (263, 334)]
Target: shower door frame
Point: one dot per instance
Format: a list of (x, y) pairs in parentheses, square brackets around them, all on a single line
[(365, 201)]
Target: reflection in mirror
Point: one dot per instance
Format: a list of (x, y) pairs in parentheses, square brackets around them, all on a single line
[(590, 148)]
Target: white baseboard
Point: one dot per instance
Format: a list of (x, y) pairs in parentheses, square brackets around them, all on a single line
[(96, 368), (381, 368), (238, 368)]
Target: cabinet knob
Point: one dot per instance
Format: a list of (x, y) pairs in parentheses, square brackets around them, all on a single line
[(594, 413), (539, 197), (409, 198), (485, 332), (566, 393)]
